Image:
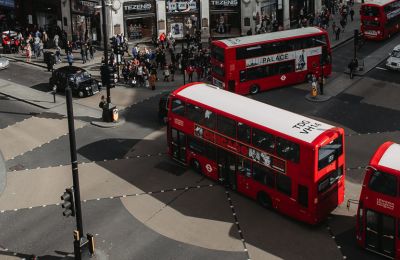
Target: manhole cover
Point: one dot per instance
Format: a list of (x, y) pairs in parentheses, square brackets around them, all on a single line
[(171, 167)]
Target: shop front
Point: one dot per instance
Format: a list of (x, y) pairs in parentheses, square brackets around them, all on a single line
[(299, 10), (7, 15), (140, 20), (225, 18), (183, 17), (85, 20)]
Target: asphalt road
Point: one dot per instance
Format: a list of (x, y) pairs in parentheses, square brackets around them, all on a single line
[(369, 115)]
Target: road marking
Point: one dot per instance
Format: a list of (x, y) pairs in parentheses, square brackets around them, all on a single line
[(380, 68)]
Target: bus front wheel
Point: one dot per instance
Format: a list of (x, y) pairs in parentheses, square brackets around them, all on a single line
[(254, 89), (196, 166), (264, 200)]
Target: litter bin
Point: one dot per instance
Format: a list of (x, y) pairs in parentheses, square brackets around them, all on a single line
[(50, 59)]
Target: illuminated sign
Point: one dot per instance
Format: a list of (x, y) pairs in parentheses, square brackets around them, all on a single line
[(251, 153)]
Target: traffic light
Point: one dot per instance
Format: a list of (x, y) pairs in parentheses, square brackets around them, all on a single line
[(112, 77), (105, 80), (69, 204)]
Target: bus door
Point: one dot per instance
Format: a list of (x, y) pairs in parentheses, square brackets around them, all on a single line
[(380, 233), (178, 145), (227, 168)]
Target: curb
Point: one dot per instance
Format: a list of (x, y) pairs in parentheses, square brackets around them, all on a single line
[(342, 43), (23, 100), (318, 98), (102, 124), (31, 63)]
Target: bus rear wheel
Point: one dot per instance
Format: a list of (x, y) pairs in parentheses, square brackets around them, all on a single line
[(254, 89), (265, 200), (196, 166)]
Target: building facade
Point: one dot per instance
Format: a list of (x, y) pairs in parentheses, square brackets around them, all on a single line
[(140, 20)]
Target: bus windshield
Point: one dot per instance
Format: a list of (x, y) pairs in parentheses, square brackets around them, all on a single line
[(369, 10), (330, 152), (217, 53), (383, 183)]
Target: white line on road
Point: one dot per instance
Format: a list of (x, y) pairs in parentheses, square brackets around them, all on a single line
[(380, 68)]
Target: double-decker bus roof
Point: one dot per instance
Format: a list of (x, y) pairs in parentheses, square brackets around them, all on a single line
[(254, 111), (391, 157), (231, 42), (378, 2)]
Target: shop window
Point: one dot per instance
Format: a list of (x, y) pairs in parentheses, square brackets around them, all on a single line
[(263, 140), (226, 126), (284, 184), (288, 150), (178, 107)]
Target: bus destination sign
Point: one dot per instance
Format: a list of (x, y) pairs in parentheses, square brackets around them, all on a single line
[(251, 153)]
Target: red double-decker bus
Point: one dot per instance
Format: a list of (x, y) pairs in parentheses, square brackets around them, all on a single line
[(378, 215), (261, 62), (380, 19), (286, 161)]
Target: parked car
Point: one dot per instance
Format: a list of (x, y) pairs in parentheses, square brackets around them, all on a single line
[(4, 63), (80, 81), (162, 108), (393, 62)]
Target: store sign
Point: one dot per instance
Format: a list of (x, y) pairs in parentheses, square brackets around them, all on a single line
[(138, 7), (83, 6), (224, 3), (182, 6), (88, 3), (241, 149)]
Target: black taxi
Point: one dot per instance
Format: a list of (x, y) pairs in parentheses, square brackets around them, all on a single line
[(81, 82)]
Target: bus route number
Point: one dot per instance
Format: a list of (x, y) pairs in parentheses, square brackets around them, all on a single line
[(306, 127)]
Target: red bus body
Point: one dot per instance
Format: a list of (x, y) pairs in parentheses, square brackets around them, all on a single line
[(261, 62), (286, 161), (378, 215), (380, 19)]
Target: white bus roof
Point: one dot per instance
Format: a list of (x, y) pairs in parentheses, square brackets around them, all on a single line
[(378, 2), (254, 111), (391, 157), (270, 36)]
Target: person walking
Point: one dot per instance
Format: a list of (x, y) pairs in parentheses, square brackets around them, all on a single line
[(70, 58), (352, 14), (337, 33), (190, 71), (28, 52), (152, 80), (172, 70), (83, 51), (166, 73), (334, 27)]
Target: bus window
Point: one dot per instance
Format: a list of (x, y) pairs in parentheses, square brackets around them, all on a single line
[(217, 53), (243, 132), (196, 145), (285, 67), (369, 11), (244, 166), (288, 150), (284, 184), (383, 183), (209, 119), (263, 140), (263, 175), (330, 179), (302, 195), (330, 152), (178, 107), (194, 113), (226, 126)]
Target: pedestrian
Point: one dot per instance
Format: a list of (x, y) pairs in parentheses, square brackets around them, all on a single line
[(91, 50), (152, 81), (352, 66), (58, 54), (337, 33), (172, 71), (343, 23), (83, 53), (102, 102), (352, 14), (190, 71), (166, 73), (28, 51), (334, 27), (70, 58)]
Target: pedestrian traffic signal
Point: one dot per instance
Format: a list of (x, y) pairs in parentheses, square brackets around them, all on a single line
[(112, 77), (68, 202), (104, 73)]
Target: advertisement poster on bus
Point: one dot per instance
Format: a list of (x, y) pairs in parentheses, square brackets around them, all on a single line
[(300, 57)]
